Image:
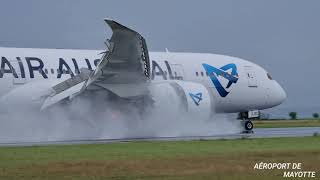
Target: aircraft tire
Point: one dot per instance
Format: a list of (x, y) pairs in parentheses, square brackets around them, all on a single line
[(248, 125)]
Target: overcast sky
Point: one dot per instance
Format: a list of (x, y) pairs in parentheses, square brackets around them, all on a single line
[(282, 36)]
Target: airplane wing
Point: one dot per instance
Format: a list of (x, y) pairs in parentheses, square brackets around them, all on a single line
[(123, 69), (126, 61)]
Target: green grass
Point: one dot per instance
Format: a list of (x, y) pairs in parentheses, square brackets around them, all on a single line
[(219, 159), (286, 123)]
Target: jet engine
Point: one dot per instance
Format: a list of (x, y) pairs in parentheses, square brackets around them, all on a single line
[(191, 100)]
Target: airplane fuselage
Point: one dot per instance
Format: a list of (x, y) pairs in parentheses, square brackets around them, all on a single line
[(237, 85)]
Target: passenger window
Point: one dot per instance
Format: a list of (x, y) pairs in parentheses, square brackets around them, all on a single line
[(52, 71), (201, 73), (197, 74), (46, 71)]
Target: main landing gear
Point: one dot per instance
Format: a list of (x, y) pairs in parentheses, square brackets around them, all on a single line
[(246, 118)]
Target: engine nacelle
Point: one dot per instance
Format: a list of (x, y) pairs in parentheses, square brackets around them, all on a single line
[(190, 99)]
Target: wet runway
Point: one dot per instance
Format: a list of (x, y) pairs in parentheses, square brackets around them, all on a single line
[(258, 133)]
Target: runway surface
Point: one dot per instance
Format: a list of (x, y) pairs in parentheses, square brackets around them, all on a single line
[(258, 133)]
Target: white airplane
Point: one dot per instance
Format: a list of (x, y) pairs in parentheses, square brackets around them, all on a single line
[(197, 84)]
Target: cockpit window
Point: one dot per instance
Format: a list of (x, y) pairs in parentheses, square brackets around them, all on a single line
[(269, 76)]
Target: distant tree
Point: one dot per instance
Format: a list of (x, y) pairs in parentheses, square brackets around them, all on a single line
[(315, 115), (293, 115)]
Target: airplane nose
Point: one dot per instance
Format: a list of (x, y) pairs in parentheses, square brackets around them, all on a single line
[(276, 94), (279, 94), (282, 94)]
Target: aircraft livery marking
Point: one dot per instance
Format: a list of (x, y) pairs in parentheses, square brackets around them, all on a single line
[(34, 65), (215, 72), (196, 98)]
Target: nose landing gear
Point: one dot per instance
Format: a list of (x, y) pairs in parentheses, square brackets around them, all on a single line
[(247, 126), (246, 118)]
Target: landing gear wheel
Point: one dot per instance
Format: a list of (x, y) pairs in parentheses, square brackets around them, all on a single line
[(248, 125)]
